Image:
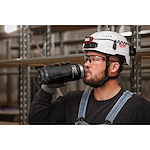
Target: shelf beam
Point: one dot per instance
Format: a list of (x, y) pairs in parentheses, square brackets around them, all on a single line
[(54, 28), (73, 58)]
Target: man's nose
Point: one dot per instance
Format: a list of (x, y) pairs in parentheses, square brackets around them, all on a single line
[(87, 63)]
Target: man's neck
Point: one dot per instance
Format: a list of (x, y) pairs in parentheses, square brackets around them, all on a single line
[(109, 90)]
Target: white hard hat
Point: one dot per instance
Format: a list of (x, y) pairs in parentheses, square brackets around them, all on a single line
[(108, 42)]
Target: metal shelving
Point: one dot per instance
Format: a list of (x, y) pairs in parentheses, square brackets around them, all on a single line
[(25, 62)]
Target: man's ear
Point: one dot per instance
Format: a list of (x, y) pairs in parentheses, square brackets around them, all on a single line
[(115, 67)]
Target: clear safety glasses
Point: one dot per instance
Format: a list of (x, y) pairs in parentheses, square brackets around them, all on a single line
[(94, 59)]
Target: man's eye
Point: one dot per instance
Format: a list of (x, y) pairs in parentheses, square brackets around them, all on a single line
[(94, 59)]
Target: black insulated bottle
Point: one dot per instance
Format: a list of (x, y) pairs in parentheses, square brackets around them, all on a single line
[(60, 74)]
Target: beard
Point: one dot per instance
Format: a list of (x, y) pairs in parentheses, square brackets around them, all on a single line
[(92, 82), (95, 80)]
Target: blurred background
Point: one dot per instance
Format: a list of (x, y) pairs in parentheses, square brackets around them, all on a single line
[(25, 48)]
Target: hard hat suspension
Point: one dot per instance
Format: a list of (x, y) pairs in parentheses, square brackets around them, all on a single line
[(106, 78)]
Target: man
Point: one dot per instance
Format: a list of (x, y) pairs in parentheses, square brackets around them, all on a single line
[(107, 102)]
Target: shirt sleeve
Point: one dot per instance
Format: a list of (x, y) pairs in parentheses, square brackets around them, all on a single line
[(145, 118), (143, 111), (61, 111), (40, 110)]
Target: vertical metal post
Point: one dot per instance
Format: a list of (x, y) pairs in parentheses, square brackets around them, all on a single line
[(107, 27), (44, 44), (99, 28), (20, 77), (52, 44), (28, 71), (9, 48), (117, 28), (48, 40), (61, 43), (24, 75), (24, 51), (28, 41), (20, 41), (9, 89), (132, 71), (136, 60)]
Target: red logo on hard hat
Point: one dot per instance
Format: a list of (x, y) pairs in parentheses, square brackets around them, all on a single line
[(122, 45), (88, 40)]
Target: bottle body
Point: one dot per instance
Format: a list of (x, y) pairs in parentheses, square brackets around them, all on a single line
[(60, 74)]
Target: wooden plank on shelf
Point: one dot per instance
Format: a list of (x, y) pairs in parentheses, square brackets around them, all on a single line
[(46, 61), (143, 67), (146, 57), (61, 28), (8, 123), (57, 43), (73, 58), (38, 29), (9, 112), (143, 52)]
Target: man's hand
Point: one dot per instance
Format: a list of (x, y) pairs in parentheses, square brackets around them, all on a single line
[(57, 85), (50, 88)]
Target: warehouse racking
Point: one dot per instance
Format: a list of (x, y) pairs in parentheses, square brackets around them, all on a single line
[(27, 64)]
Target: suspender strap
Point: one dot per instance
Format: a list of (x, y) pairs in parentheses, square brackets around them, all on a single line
[(112, 114), (117, 107), (83, 104)]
